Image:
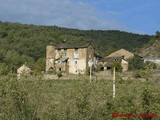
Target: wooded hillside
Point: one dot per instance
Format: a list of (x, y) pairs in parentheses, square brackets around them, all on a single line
[(26, 43)]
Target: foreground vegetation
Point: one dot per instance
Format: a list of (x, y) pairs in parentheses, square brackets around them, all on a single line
[(35, 99)]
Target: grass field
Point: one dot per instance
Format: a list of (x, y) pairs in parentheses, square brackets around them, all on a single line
[(30, 99)]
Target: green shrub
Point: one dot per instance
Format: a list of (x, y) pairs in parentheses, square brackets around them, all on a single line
[(117, 66), (136, 63), (33, 99)]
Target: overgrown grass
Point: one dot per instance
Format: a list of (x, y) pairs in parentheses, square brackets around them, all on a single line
[(30, 99)]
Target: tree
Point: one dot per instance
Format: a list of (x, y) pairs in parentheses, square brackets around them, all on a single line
[(3, 34), (157, 34), (3, 69), (117, 66), (136, 63), (40, 65)]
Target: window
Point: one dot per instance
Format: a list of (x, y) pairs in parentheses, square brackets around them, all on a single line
[(76, 54), (57, 55), (76, 51), (65, 52)]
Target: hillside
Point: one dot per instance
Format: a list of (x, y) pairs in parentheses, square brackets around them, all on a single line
[(152, 49), (21, 43)]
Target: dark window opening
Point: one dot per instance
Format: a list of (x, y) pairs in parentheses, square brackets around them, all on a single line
[(76, 50), (109, 68), (51, 68), (102, 68)]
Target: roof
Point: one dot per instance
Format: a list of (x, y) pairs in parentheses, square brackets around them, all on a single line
[(63, 59), (122, 52), (111, 59), (108, 61), (72, 45), (23, 68)]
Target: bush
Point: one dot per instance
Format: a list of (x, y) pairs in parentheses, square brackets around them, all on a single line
[(31, 99), (136, 63), (59, 74), (117, 66), (4, 70), (150, 65)]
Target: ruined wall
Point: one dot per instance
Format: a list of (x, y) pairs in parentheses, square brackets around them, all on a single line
[(50, 56), (63, 67), (124, 65), (89, 55)]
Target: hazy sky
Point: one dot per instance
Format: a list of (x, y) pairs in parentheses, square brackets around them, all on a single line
[(138, 16)]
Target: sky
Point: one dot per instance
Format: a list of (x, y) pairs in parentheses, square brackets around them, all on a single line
[(137, 16)]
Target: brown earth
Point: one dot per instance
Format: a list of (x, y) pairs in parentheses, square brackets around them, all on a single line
[(150, 51)]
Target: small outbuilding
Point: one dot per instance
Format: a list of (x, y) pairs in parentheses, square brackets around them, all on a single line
[(23, 71)]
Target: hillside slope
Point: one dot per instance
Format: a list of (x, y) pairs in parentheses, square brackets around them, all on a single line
[(152, 49)]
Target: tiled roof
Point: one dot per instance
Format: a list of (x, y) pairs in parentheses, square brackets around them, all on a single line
[(71, 45), (122, 52), (111, 59), (108, 61)]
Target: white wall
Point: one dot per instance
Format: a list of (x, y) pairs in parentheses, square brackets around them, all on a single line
[(80, 67), (157, 61), (124, 65)]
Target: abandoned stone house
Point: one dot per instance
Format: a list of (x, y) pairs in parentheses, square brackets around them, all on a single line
[(69, 58)]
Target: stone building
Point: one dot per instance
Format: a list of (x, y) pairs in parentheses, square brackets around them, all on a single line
[(23, 71), (69, 58), (122, 56), (106, 63)]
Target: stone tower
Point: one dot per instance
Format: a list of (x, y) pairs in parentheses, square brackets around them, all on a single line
[(50, 56)]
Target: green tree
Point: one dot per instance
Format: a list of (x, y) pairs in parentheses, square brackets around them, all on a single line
[(136, 63), (40, 65), (4, 70), (3, 34), (117, 66)]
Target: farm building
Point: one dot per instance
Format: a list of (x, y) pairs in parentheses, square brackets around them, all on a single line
[(107, 63), (122, 56)]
